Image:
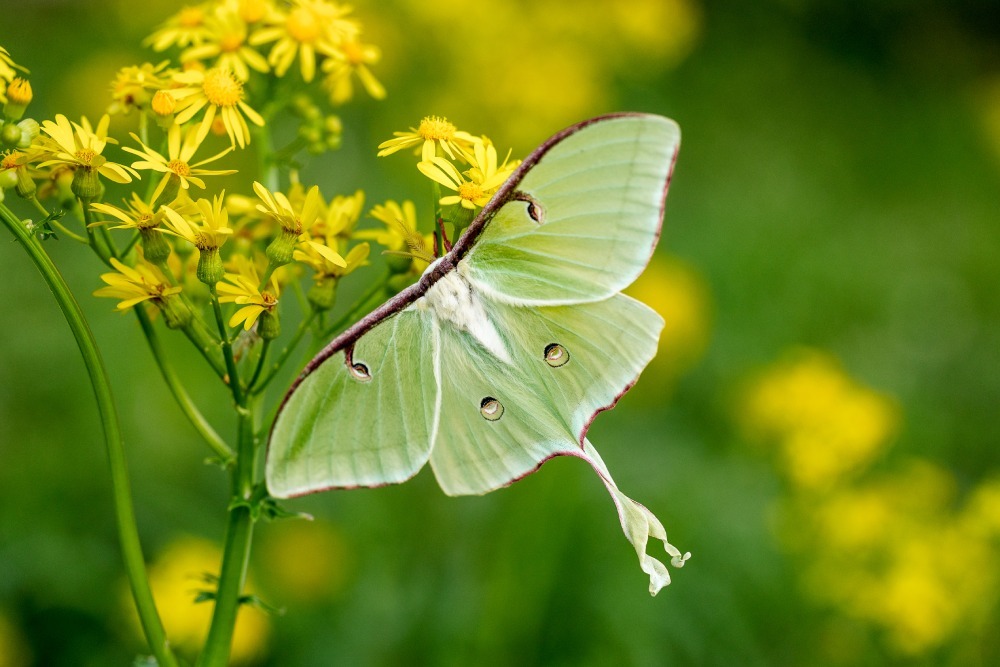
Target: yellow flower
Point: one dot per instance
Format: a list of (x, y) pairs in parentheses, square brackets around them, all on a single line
[(134, 86), (293, 219), (180, 572), (176, 165), (354, 58), (226, 43), (310, 28), (400, 235), (340, 216), (135, 285), (213, 230), (250, 11), (433, 131), (139, 215), (79, 146), (244, 289), (184, 28), (219, 92), (320, 257), (484, 177), (19, 92), (8, 71)]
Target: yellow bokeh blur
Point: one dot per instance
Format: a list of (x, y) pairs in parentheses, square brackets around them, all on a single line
[(13, 650), (303, 561), (177, 576)]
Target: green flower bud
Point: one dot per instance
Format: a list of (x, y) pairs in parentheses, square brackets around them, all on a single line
[(154, 246), (25, 184), (8, 179), (323, 294), (268, 325), (281, 249), (210, 270), (29, 132), (10, 135), (87, 184), (176, 314)]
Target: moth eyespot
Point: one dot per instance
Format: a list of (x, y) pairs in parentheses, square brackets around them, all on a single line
[(556, 355), (535, 212), (491, 409), (360, 372)]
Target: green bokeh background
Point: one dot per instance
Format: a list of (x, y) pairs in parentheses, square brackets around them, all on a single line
[(837, 188)]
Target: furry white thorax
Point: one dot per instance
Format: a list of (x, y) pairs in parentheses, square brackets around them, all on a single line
[(454, 300)]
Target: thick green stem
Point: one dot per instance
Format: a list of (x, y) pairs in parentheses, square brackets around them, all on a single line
[(135, 567), (187, 406)]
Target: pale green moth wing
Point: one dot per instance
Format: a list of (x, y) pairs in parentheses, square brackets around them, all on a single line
[(584, 219), (364, 423), (567, 363)]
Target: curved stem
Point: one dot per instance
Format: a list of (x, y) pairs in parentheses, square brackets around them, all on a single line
[(227, 350), (261, 362), (135, 568), (187, 406)]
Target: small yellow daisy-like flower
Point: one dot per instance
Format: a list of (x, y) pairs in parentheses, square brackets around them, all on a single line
[(213, 230), (226, 43), (244, 289), (340, 216), (354, 58), (400, 234), (432, 132), (134, 285), (294, 219), (79, 146), (134, 86), (482, 180), (310, 28), (137, 215), (250, 11), (219, 92), (177, 163), (311, 253), (184, 28)]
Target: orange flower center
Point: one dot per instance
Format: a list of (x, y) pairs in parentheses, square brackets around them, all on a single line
[(10, 161), (470, 191), (303, 26), (179, 167), (222, 88), (353, 52), (145, 221), (191, 17), (231, 42), (86, 155), (436, 128)]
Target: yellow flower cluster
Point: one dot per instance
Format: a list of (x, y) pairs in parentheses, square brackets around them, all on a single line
[(824, 425), (891, 549)]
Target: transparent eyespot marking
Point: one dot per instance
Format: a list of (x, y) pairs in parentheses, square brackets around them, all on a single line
[(556, 355), (360, 372), (535, 211), (491, 409)]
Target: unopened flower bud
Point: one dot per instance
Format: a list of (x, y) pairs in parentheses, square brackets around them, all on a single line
[(10, 135), (163, 103), (29, 132), (86, 184), (25, 184), (8, 179), (18, 97)]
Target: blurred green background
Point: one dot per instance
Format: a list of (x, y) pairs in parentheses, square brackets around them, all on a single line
[(820, 429)]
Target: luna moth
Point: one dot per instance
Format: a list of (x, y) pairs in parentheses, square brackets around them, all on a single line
[(501, 355)]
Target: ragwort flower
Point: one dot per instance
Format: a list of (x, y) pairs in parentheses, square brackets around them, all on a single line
[(184, 28), (218, 91), (483, 178), (433, 132), (310, 28), (226, 43), (211, 233), (79, 146), (176, 166), (400, 235), (294, 220), (133, 285), (244, 289), (134, 86), (354, 59)]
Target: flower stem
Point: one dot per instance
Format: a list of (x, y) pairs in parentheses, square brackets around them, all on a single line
[(261, 362), (227, 351), (187, 406), (283, 357), (135, 568), (55, 223)]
